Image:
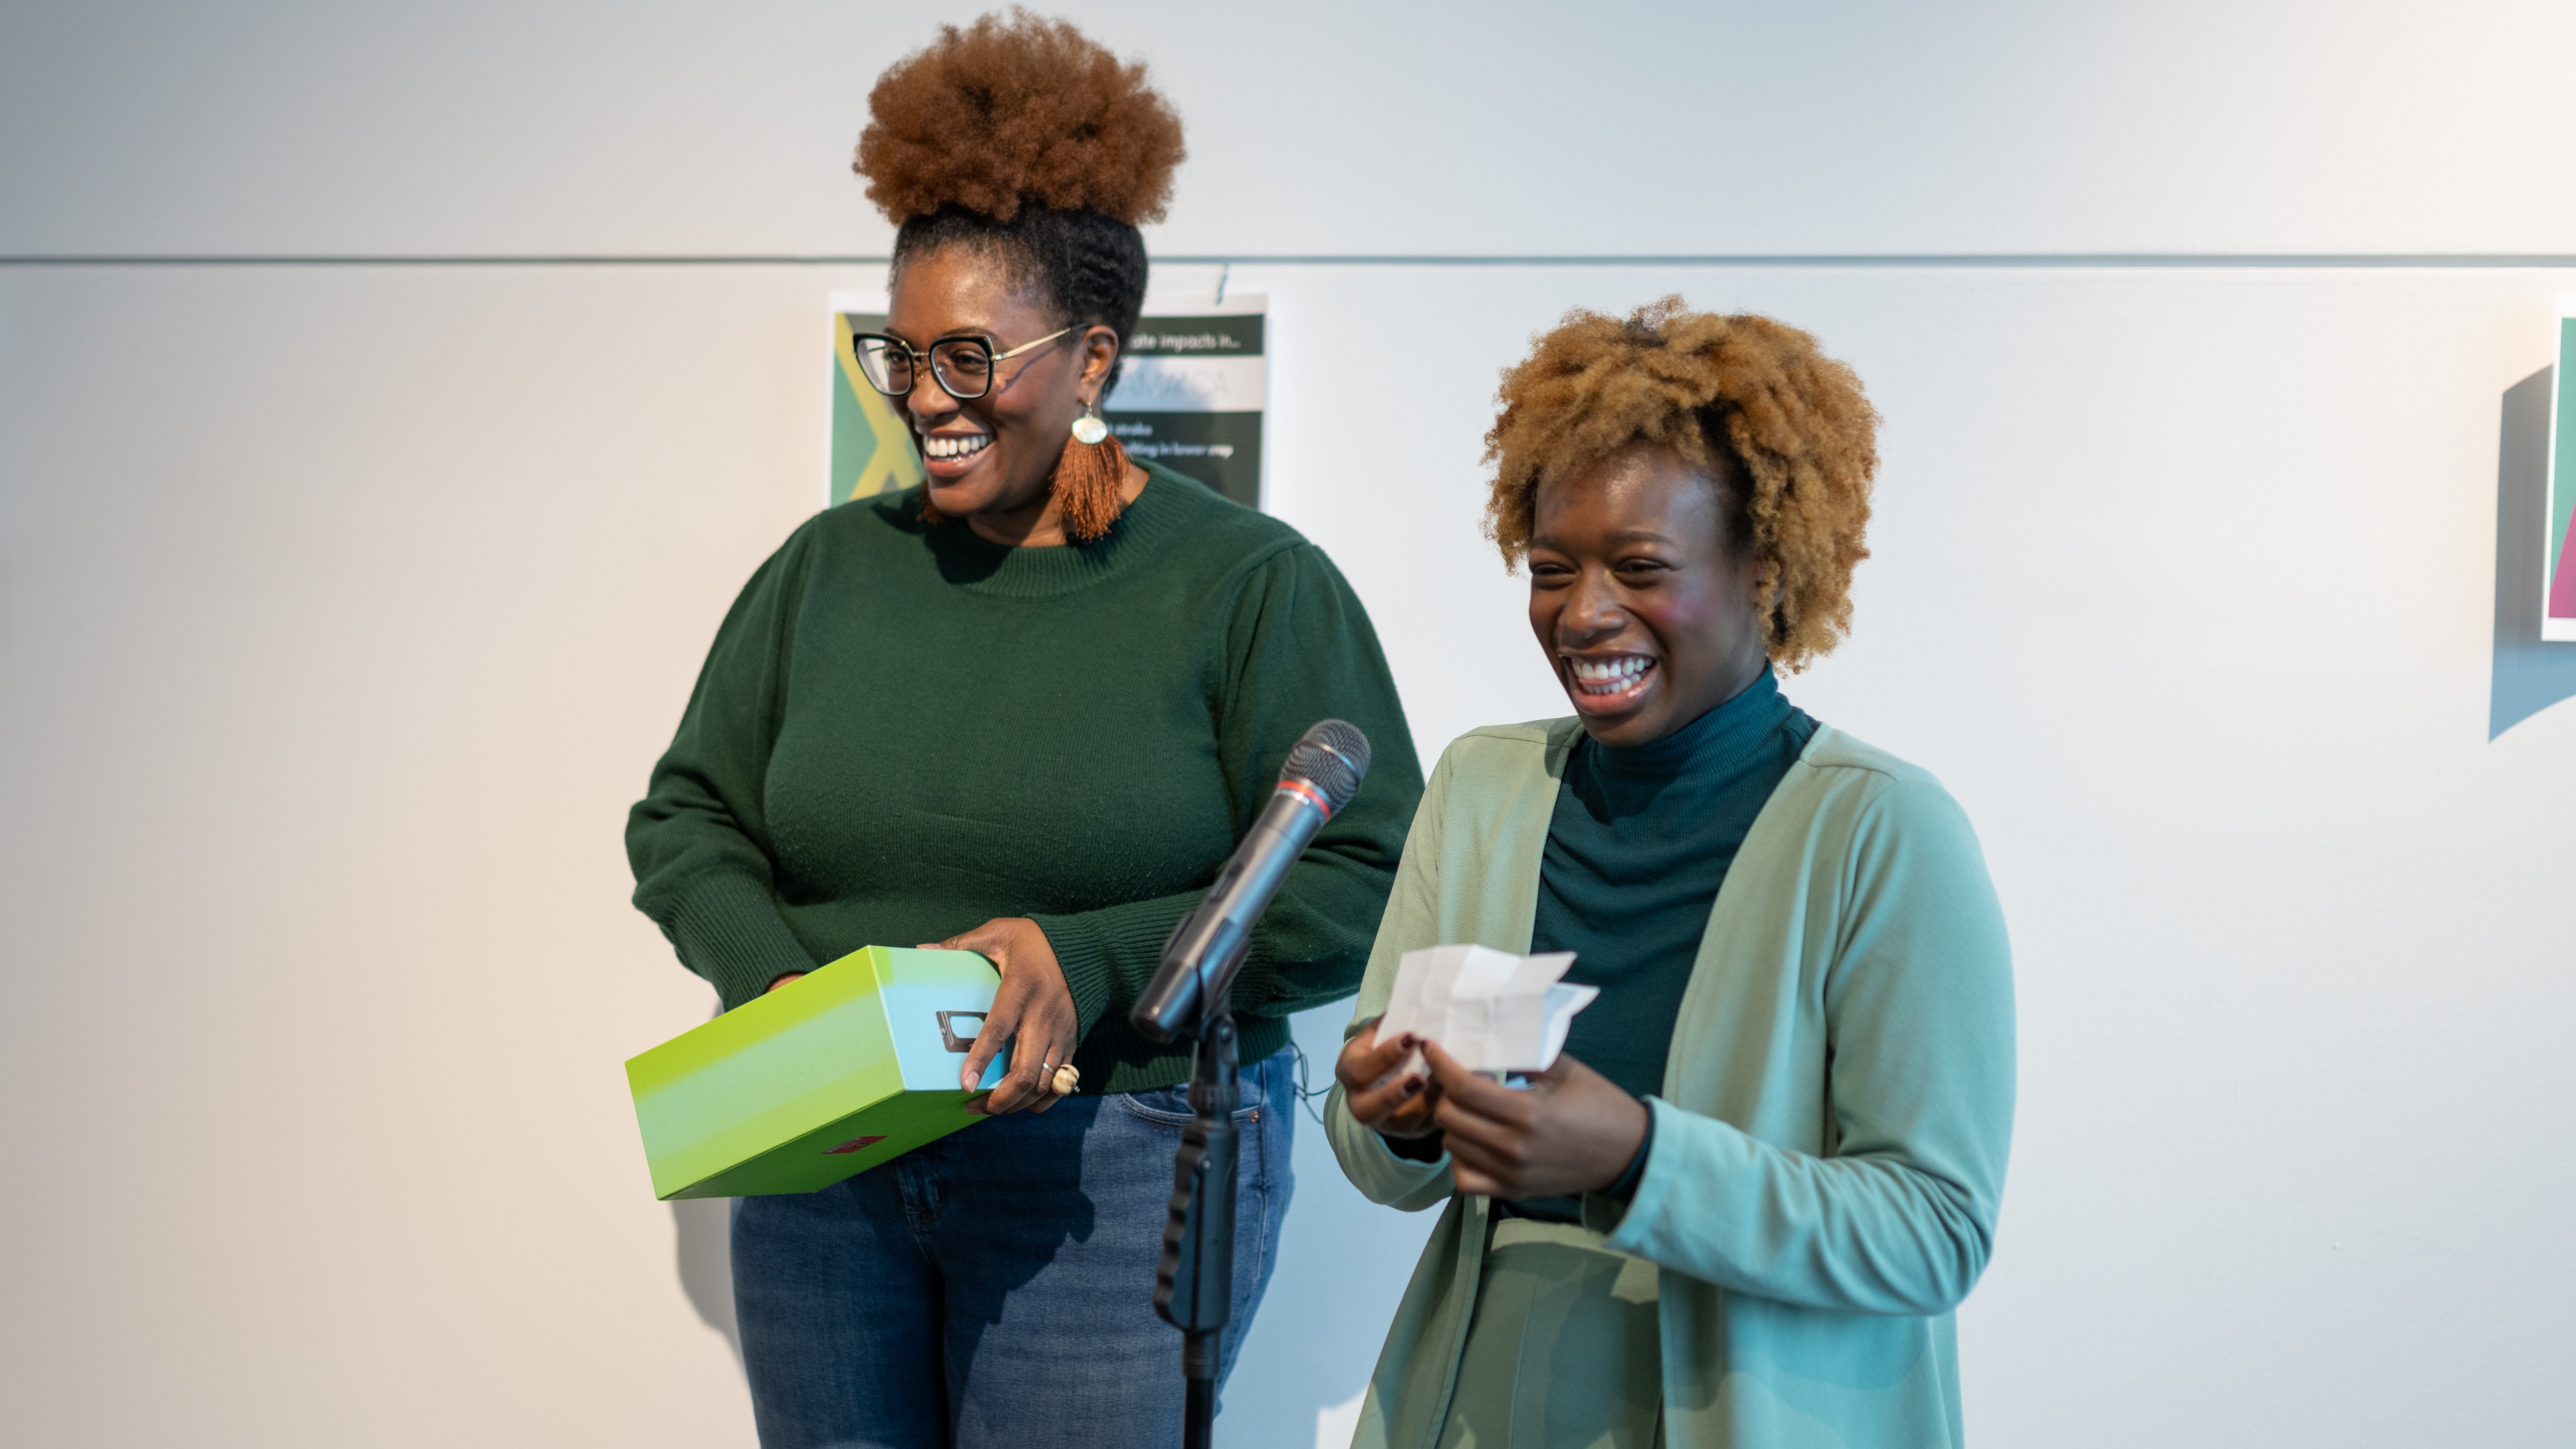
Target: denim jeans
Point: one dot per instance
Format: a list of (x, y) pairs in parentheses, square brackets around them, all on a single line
[(996, 1287)]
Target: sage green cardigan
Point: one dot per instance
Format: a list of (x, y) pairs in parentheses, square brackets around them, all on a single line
[(1829, 1145)]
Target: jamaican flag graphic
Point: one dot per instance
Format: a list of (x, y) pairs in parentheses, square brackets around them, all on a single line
[(871, 448)]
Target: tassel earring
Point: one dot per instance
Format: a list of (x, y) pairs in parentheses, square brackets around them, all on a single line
[(1089, 476)]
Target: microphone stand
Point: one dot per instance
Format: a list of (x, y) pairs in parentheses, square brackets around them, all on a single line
[(1194, 1286)]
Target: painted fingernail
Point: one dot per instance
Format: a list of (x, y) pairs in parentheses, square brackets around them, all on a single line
[(1412, 1085)]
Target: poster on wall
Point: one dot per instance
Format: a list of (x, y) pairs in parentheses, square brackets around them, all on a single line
[(1192, 397), (872, 449), (1194, 392), (2558, 517)]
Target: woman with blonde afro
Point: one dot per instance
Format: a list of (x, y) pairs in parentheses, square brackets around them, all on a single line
[(1024, 709), (1739, 1207)]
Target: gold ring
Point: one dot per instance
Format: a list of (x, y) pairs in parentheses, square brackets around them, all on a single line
[(1066, 1078)]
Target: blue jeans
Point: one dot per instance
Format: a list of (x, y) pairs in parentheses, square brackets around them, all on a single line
[(996, 1287)]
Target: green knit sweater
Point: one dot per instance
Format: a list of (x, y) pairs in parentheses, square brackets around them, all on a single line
[(903, 731)]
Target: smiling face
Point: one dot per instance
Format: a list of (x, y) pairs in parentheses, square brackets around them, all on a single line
[(989, 458), (1647, 605)]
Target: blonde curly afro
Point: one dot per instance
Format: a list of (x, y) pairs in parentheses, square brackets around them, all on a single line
[(1024, 111), (1749, 401)]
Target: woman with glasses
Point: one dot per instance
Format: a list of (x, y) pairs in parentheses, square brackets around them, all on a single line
[(1739, 1208), (1025, 709)]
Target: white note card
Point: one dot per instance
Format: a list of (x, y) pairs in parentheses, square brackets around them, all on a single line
[(1492, 1010)]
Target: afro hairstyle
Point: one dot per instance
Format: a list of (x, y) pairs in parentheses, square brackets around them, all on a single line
[(1753, 403), (1024, 139)]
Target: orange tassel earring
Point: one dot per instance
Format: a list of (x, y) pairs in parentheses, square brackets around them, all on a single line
[(1089, 477)]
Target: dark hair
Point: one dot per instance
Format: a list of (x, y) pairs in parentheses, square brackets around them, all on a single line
[(1029, 142), (1087, 268)]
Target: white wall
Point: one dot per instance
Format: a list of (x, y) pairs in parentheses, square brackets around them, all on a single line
[(1341, 126), (342, 610)]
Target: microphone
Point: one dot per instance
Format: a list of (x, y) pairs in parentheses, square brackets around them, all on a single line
[(1322, 774)]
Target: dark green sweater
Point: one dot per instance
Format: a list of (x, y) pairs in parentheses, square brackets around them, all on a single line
[(903, 731)]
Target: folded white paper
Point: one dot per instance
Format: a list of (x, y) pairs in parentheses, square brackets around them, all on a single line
[(1492, 1010)]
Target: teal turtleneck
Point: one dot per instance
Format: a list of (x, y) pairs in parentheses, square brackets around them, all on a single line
[(1640, 842)]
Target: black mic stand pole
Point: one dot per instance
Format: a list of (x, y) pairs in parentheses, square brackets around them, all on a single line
[(1194, 1287)]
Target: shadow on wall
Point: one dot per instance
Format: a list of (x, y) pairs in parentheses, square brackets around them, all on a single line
[(705, 1239), (2530, 676)]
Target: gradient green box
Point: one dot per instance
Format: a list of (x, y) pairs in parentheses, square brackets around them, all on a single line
[(850, 1066)]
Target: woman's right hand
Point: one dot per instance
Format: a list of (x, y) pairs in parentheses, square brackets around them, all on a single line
[(1377, 1095)]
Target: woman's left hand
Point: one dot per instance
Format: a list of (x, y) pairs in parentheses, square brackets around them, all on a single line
[(1572, 1130), (1032, 1010)]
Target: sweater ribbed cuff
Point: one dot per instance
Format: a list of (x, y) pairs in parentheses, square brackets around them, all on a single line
[(727, 929), (1109, 955)]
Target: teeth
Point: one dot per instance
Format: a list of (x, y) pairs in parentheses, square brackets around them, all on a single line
[(1608, 676), (940, 446)]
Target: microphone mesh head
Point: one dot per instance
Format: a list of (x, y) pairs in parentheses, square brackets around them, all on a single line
[(1331, 757)]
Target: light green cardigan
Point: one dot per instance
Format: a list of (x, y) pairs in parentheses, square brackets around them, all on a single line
[(1829, 1145)]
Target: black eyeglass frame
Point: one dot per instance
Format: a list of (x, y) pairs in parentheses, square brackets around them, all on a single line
[(921, 359)]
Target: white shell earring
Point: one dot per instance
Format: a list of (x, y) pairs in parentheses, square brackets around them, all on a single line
[(1089, 428)]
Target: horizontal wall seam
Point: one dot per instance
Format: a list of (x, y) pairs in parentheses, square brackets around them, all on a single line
[(2230, 261)]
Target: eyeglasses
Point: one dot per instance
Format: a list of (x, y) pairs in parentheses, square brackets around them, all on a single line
[(963, 365)]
